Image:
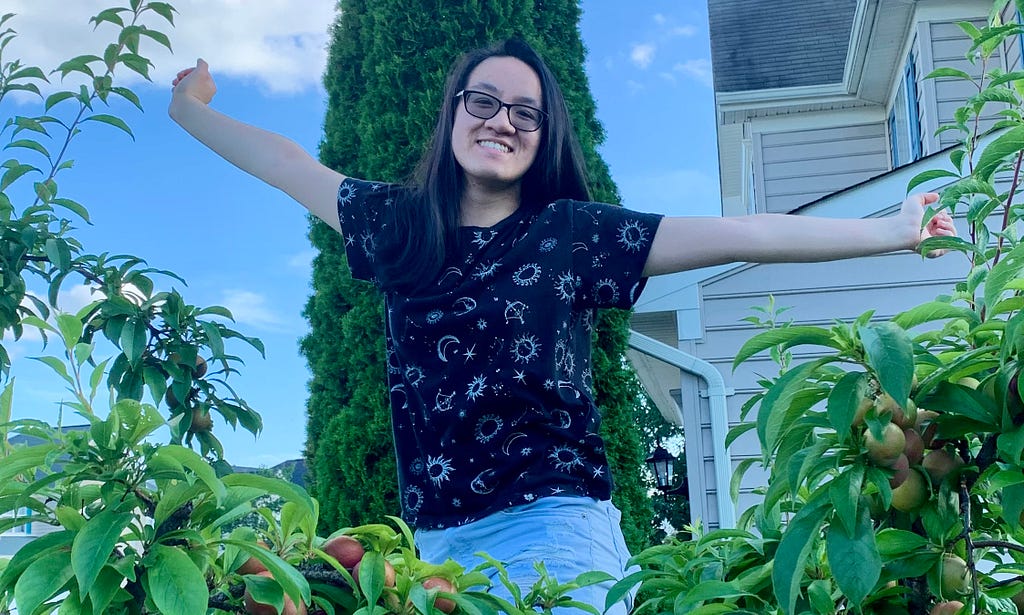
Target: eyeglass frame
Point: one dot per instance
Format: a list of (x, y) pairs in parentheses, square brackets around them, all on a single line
[(501, 104)]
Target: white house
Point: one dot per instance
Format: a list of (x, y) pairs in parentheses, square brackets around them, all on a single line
[(822, 109)]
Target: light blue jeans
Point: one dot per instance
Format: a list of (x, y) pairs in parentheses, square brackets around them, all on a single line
[(571, 535)]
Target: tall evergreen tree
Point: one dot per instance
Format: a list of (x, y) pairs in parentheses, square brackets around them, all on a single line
[(388, 60)]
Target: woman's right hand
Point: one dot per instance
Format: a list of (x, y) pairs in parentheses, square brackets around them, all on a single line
[(196, 82)]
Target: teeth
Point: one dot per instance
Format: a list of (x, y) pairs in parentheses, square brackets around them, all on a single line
[(496, 146)]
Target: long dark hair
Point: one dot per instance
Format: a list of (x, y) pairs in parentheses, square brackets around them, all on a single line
[(428, 222)]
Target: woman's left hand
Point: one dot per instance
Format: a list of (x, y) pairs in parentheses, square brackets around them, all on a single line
[(940, 225)]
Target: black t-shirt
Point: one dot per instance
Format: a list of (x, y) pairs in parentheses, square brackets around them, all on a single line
[(489, 371)]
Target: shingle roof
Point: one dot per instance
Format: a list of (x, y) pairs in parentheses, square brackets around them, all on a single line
[(762, 44)]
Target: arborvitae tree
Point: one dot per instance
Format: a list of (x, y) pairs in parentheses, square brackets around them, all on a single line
[(388, 60)]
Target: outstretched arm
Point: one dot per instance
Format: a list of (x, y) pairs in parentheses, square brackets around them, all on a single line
[(276, 160), (689, 243)]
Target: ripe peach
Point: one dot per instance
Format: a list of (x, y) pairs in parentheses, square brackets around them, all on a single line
[(914, 448), (389, 573), (259, 608), (940, 464), (947, 608), (445, 605), (901, 471), (253, 565), (347, 550)]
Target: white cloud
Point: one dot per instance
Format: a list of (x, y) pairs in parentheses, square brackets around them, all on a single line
[(272, 41), (659, 19), (696, 69), (674, 192), (642, 54), (251, 309), (683, 30), (303, 261)]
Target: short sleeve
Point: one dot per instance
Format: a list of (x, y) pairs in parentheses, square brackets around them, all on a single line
[(362, 212), (610, 248)]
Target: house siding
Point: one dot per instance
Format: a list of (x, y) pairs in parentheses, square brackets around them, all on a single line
[(818, 294), (949, 45), (799, 166)]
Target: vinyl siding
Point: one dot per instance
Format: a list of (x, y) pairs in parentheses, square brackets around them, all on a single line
[(800, 166), (817, 293), (949, 45)]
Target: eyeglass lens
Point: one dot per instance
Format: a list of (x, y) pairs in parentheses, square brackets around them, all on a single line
[(485, 106)]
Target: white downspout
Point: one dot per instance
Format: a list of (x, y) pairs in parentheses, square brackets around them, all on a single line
[(719, 414)]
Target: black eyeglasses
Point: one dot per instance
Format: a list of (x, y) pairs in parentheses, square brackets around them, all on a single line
[(485, 106)]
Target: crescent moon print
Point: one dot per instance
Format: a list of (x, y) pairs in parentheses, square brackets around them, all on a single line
[(451, 271), (400, 388), (564, 420), (464, 305), (442, 346), (479, 484), (509, 440)]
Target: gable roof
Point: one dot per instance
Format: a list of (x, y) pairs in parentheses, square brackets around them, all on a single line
[(767, 44)]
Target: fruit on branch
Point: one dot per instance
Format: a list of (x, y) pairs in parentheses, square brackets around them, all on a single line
[(866, 403), (446, 605), (347, 550), (202, 422), (884, 451), (259, 608), (956, 578), (200, 365), (901, 471), (253, 565), (947, 608), (914, 447), (389, 573), (941, 464), (912, 493)]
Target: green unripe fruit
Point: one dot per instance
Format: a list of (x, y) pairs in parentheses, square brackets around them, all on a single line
[(912, 494), (884, 451), (940, 464), (956, 578)]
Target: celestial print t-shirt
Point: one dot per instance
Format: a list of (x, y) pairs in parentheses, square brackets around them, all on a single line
[(489, 369)]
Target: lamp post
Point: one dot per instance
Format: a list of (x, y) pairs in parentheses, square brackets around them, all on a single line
[(661, 463)]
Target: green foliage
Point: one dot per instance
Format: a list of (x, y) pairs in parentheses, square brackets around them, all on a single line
[(854, 519), (166, 345), (384, 81)]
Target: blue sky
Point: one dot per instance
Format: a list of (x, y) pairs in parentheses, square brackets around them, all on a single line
[(242, 244)]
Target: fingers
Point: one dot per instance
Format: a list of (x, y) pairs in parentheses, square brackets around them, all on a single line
[(200, 66)]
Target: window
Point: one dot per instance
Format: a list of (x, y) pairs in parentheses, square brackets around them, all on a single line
[(904, 121)]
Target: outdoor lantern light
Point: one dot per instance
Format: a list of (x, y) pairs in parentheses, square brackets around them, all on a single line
[(661, 464)]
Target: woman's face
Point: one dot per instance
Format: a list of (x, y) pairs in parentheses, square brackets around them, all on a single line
[(493, 153)]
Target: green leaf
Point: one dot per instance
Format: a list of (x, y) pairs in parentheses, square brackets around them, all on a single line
[(163, 9), (73, 206), (42, 579), (890, 354), (265, 591), (853, 559), (992, 157), (928, 176), (294, 584), (95, 543), (842, 405), (29, 144), (14, 172), (948, 72), (58, 367), (188, 458), (845, 492), (133, 339), (794, 548), (709, 590), (935, 310), (787, 337), (112, 120), (70, 329), (176, 585), (213, 338), (285, 489), (1007, 269), (53, 99), (894, 543)]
